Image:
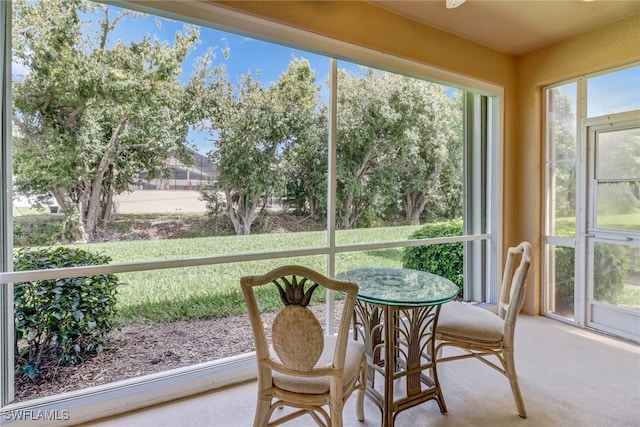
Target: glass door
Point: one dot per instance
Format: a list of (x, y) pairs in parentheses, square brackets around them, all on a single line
[(613, 222)]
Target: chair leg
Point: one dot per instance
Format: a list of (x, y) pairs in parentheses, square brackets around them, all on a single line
[(361, 390), (434, 357), (336, 414), (263, 412), (510, 369)]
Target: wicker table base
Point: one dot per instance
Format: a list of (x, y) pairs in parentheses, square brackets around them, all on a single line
[(395, 314), (404, 364)]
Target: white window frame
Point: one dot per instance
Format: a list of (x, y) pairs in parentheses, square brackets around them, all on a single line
[(579, 241), (110, 399)]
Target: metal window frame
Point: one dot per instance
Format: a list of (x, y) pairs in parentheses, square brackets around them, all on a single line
[(6, 221)]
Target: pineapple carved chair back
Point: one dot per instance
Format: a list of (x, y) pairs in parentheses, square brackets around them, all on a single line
[(303, 367)]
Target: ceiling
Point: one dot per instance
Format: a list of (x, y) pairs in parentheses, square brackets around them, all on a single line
[(514, 27)]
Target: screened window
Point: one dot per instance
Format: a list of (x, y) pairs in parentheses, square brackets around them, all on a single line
[(211, 162)]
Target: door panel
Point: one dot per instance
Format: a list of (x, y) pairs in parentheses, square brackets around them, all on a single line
[(613, 236)]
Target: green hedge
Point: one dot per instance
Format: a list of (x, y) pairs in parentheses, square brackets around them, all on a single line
[(38, 230), (60, 321), (443, 259), (611, 264)]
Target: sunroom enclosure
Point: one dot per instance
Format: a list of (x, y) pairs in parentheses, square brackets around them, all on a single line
[(328, 251)]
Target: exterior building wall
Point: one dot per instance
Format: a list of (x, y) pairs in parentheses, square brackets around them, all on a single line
[(182, 177)]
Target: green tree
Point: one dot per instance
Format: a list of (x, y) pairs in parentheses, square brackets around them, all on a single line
[(91, 112), (368, 138), (562, 135), (305, 166), (451, 179), (252, 125), (399, 144), (619, 158), (429, 160)]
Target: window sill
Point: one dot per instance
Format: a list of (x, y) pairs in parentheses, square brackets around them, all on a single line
[(112, 399)]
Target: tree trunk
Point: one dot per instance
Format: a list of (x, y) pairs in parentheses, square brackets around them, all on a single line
[(81, 223), (107, 209), (243, 213), (94, 211), (415, 218), (414, 204), (347, 213)]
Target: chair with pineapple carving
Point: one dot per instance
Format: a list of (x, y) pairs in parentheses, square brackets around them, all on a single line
[(483, 334), (304, 368)]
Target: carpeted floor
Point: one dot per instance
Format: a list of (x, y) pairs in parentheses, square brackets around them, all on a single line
[(569, 378)]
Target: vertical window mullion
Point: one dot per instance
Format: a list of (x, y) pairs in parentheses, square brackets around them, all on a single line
[(331, 187), (580, 272), (6, 227), (475, 194)]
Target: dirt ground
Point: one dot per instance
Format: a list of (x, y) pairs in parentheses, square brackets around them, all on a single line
[(141, 349)]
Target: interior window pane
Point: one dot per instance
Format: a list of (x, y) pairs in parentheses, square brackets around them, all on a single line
[(560, 280), (166, 319), (562, 148), (226, 153), (618, 205), (616, 275), (618, 154), (618, 179), (561, 122), (562, 199), (614, 92), (203, 158)]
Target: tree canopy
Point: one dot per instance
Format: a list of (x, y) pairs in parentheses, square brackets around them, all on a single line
[(251, 126), (399, 146), (396, 136), (92, 112)]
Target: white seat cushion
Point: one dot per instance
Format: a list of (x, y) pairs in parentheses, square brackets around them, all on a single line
[(320, 385), (469, 322)]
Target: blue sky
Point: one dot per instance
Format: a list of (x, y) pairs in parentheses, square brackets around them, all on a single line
[(610, 93), (246, 54), (613, 93)]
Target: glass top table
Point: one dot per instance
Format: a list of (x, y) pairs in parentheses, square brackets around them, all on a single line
[(396, 313), (401, 286)]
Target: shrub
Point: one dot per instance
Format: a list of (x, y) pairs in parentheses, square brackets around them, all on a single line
[(60, 321), (443, 259), (38, 230), (611, 263), (216, 207)]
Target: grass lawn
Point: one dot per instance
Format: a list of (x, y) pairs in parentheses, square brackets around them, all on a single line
[(214, 291), (630, 297)]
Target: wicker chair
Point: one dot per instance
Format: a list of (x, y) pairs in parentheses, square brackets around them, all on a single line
[(481, 333), (304, 368)]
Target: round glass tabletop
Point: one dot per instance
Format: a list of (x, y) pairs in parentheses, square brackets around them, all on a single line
[(400, 286)]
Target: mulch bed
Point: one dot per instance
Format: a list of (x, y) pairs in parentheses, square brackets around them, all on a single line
[(142, 349)]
